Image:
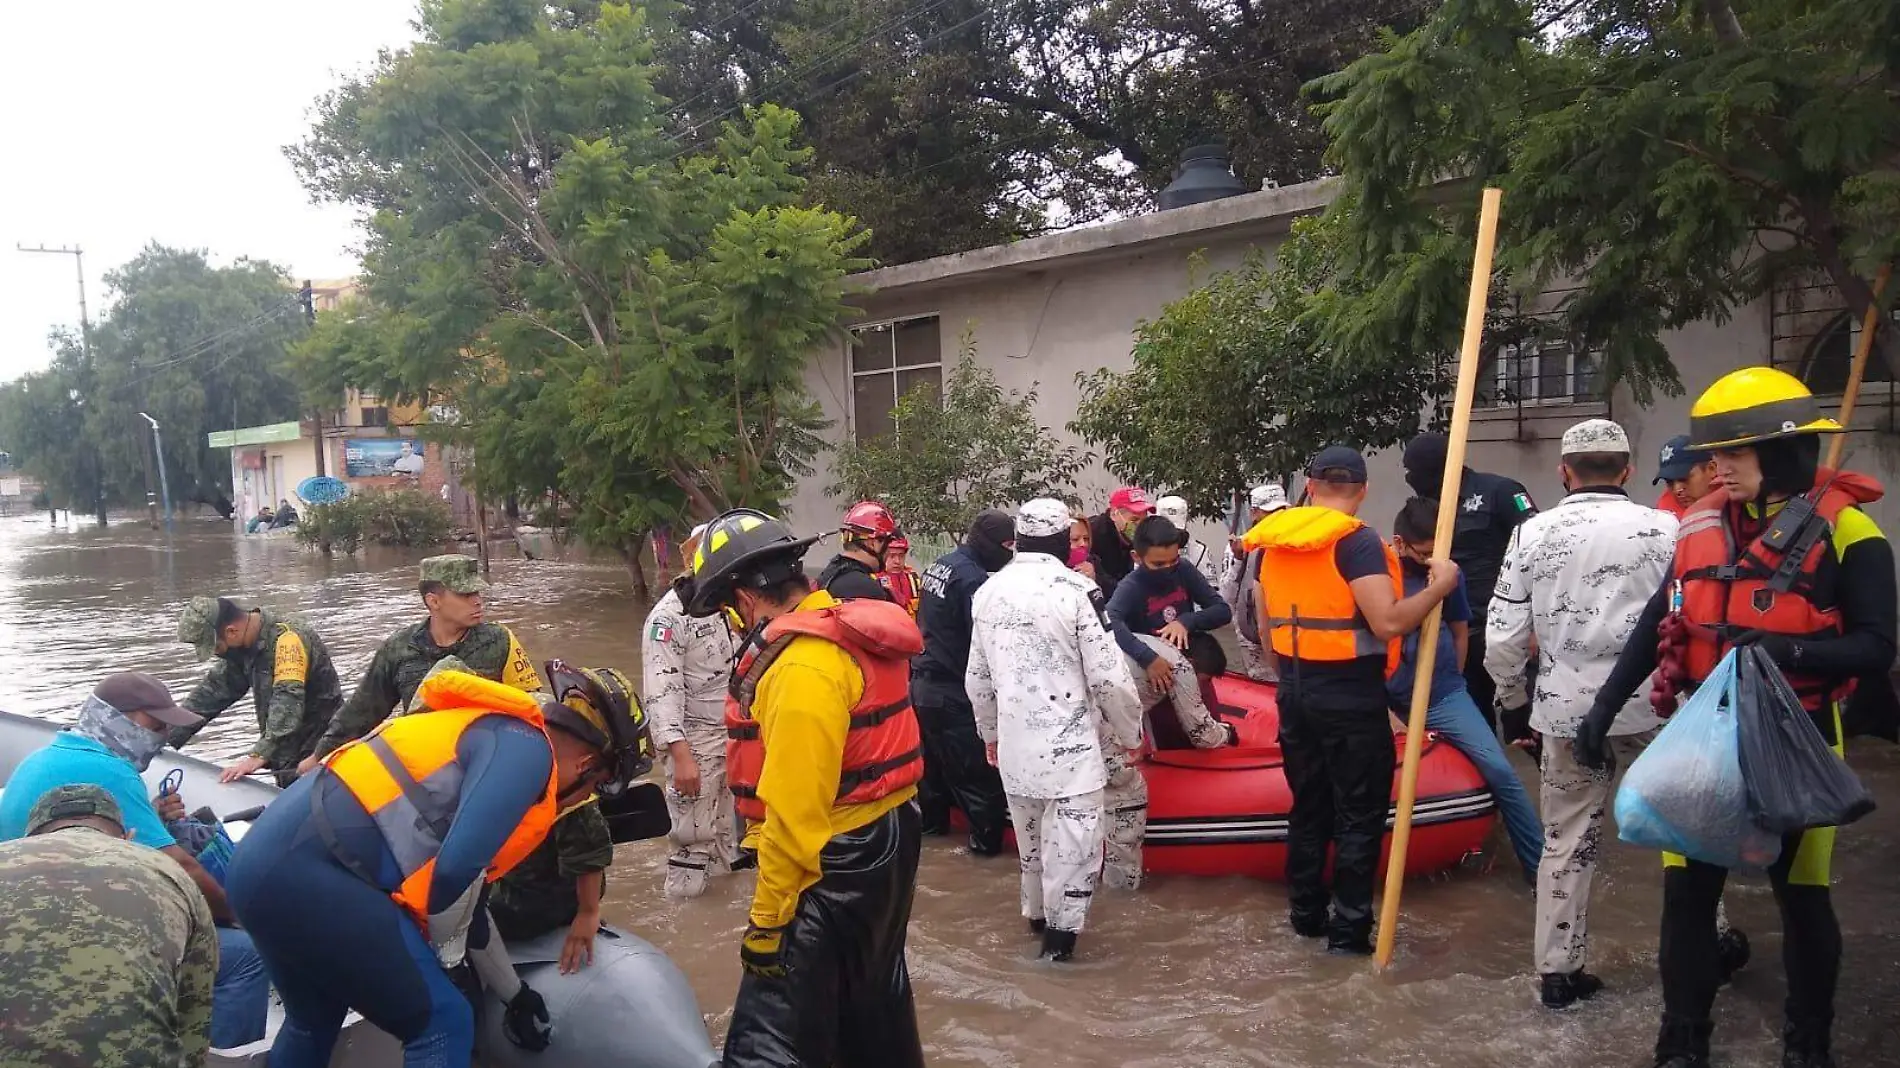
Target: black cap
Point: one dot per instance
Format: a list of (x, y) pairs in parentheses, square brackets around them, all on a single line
[(1337, 458), (1678, 458)]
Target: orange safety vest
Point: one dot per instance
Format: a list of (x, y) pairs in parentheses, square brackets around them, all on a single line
[(405, 776), (1309, 610), (902, 586), (1728, 589), (883, 749)]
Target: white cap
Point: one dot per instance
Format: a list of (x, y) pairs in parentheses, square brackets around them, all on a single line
[(1595, 435), (1268, 498), (1041, 518), (1174, 509)]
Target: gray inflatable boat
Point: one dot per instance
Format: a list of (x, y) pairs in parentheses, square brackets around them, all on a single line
[(631, 1008)]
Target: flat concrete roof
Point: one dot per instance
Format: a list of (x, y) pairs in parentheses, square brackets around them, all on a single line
[(1267, 211)]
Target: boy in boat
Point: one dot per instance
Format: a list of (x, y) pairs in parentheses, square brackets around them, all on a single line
[(1057, 710), (1452, 714)]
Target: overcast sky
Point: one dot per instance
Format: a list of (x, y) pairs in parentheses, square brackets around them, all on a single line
[(128, 121)]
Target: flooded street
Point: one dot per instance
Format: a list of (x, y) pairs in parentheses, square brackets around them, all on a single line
[(1188, 972)]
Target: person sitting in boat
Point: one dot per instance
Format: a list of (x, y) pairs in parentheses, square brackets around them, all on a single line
[(1452, 714), (1163, 616), (898, 578), (283, 665), (120, 728), (286, 516), (562, 882), (1240, 585), (1194, 551), (260, 521), (451, 588), (361, 885)]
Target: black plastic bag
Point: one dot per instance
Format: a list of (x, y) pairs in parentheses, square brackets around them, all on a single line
[(1794, 780)]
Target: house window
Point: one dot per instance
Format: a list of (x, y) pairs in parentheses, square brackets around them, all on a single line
[(888, 360), (1540, 371), (1830, 359), (375, 416)]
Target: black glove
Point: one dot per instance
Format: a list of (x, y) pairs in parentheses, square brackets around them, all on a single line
[(464, 979), (525, 1020), (1782, 649), (762, 951), (1233, 734), (1591, 746)]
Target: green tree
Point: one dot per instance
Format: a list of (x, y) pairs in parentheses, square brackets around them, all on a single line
[(621, 325), (1671, 161), (43, 427), (1232, 384), (948, 458)]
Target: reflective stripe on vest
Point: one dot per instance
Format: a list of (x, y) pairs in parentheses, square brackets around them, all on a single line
[(883, 747), (1730, 589), (406, 776)]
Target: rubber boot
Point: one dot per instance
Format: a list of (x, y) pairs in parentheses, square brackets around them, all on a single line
[(1308, 926), (1564, 989), (1683, 1043), (1057, 945), (1806, 1045), (1036, 927)]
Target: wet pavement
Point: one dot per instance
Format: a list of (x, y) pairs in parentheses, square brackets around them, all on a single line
[(1187, 972)]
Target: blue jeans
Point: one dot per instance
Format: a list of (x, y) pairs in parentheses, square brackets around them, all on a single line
[(1456, 718), (240, 996)]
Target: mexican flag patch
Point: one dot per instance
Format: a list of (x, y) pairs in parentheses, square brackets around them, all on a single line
[(1523, 502), (660, 631)]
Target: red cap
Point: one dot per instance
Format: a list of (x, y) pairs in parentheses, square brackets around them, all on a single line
[(1131, 498)]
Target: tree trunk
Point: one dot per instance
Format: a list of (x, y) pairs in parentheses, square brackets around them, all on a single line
[(630, 548), (100, 509)]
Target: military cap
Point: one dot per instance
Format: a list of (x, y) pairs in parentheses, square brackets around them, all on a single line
[(1595, 435), (1043, 517), (71, 803), (198, 625), (461, 574)]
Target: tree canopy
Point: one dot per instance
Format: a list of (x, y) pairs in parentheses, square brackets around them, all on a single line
[(1233, 384), (1669, 161), (615, 321), (197, 347)]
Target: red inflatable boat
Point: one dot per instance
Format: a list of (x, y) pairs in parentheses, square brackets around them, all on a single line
[(1223, 811)]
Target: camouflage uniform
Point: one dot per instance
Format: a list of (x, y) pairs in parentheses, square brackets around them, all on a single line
[(538, 896), (489, 650), (107, 949), (686, 663), (288, 674)]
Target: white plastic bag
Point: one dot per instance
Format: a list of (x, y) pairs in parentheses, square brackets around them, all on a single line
[(1685, 793)]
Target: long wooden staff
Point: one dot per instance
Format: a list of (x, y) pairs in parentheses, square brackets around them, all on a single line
[(1868, 324), (1447, 516)]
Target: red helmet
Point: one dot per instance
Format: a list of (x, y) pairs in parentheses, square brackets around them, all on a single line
[(869, 519)]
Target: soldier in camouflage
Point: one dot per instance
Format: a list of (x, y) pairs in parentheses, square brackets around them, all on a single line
[(451, 588), (107, 949), (282, 664)]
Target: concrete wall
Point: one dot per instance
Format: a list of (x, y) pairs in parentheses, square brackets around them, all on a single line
[(1039, 323)]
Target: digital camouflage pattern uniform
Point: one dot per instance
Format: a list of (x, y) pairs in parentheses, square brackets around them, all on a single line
[(107, 949), (288, 674), (538, 896), (404, 660), (686, 664)]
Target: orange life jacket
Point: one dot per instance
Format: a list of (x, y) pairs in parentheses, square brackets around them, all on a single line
[(1728, 589), (902, 586), (1308, 607), (883, 750), (405, 776)]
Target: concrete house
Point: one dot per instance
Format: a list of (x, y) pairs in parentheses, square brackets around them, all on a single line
[(1042, 310)]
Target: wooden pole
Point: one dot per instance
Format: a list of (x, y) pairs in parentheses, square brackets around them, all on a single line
[(1447, 517), (1868, 324)]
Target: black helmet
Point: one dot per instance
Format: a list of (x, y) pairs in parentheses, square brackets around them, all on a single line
[(597, 705), (743, 547)]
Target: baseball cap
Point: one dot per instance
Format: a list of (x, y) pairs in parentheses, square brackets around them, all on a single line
[(1268, 498), (1129, 497), (1595, 435), (1174, 509), (135, 691), (461, 574), (76, 801), (1044, 517), (1677, 459), (198, 626), (1339, 457)]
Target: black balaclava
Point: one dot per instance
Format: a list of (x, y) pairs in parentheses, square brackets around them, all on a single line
[(989, 538), (1788, 465), (1425, 463)]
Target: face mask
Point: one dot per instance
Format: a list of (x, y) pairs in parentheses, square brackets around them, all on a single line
[(1078, 555), (1425, 483), (115, 730)]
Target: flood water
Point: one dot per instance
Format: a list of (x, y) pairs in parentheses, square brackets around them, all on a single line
[(1187, 972)]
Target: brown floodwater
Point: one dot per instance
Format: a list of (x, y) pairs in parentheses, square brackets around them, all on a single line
[(1186, 972)]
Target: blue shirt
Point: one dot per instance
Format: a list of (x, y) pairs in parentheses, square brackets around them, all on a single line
[(75, 760), (1145, 601), (1446, 678)]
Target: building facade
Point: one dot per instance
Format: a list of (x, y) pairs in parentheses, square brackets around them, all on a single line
[(1040, 312)]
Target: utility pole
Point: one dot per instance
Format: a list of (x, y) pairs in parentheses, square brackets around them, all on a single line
[(308, 298), (79, 265), (164, 484)]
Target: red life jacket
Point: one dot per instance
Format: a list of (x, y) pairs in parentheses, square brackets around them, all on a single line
[(902, 586), (883, 750), (1728, 589)]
